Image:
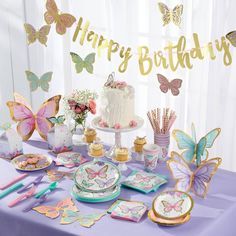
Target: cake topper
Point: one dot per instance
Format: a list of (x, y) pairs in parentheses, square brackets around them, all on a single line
[(110, 79)]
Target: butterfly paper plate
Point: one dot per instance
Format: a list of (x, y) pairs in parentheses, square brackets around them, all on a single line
[(106, 196), (171, 205), (144, 182), (97, 176), (31, 162), (69, 159)]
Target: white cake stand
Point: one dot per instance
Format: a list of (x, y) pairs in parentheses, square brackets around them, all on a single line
[(117, 132)]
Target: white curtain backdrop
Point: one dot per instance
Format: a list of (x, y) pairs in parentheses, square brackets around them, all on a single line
[(207, 96)]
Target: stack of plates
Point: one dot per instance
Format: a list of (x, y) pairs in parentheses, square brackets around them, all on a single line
[(96, 181), (171, 208)]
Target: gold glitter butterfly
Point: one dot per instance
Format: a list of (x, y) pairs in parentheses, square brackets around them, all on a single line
[(231, 36), (170, 15), (33, 34)]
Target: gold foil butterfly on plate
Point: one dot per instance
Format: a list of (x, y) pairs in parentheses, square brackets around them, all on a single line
[(231, 36), (169, 15), (33, 34)]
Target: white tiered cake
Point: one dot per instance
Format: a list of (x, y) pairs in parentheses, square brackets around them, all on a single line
[(117, 105)]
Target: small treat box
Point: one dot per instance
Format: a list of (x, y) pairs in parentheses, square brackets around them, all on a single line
[(60, 138), (10, 144)]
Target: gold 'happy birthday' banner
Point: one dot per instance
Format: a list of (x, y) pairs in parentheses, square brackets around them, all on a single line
[(171, 57)]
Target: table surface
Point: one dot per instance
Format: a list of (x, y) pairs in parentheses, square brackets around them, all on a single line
[(214, 215)]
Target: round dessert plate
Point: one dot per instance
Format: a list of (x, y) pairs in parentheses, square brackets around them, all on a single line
[(172, 205), (106, 196), (165, 222), (97, 176), (103, 154), (31, 162), (138, 120)]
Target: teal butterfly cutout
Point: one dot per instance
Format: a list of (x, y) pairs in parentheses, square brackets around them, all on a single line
[(69, 217), (80, 64), (194, 150), (57, 120), (36, 82), (5, 126)]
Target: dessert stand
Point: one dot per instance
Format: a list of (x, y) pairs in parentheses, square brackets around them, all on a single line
[(117, 132)]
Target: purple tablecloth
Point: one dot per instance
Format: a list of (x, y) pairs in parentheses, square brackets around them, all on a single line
[(212, 216)]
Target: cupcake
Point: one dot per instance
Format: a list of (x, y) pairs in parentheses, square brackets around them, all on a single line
[(90, 135), (139, 143), (121, 154), (96, 149)]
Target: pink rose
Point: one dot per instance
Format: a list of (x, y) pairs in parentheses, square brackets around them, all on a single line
[(132, 123), (117, 126), (82, 107), (102, 124), (121, 84), (78, 110), (92, 106), (72, 104)]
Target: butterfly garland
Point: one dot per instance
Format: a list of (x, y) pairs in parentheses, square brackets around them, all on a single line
[(69, 213), (35, 82), (27, 121), (194, 150), (40, 35), (174, 85), (198, 180), (81, 64), (231, 36), (169, 15), (62, 20)]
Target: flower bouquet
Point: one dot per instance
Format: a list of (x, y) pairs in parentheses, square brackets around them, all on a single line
[(79, 104)]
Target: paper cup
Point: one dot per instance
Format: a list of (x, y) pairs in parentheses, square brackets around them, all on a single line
[(150, 153)]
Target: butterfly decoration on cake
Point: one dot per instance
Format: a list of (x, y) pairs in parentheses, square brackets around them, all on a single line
[(169, 15), (168, 207), (92, 174), (231, 36), (86, 63), (62, 20), (36, 82), (54, 211), (166, 85), (196, 180), (40, 35), (193, 150), (70, 216), (27, 121)]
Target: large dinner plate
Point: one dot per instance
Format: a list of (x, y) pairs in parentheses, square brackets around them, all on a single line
[(97, 176), (172, 205)]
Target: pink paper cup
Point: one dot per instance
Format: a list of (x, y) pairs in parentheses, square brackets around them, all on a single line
[(150, 152)]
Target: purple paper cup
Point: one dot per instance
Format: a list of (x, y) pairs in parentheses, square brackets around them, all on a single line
[(150, 153)]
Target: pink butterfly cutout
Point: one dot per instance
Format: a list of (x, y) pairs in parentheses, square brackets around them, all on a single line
[(142, 178), (21, 112), (93, 174), (176, 206), (173, 85), (197, 180)]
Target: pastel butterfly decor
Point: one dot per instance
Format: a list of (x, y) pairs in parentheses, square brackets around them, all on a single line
[(169, 15), (231, 36), (193, 149), (142, 178), (56, 175), (81, 64), (35, 82), (40, 35), (62, 20), (103, 184), (174, 85), (55, 211), (93, 174), (132, 210), (70, 216), (175, 207), (57, 120), (28, 121), (195, 180), (150, 163)]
